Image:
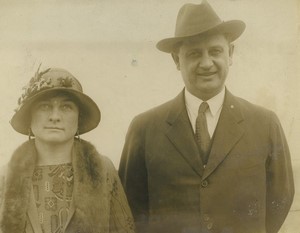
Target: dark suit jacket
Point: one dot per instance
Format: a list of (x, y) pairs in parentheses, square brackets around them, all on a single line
[(247, 185)]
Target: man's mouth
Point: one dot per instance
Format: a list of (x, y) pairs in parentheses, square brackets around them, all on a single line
[(206, 74)]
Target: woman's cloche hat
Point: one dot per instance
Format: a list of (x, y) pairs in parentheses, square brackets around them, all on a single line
[(198, 19), (55, 80)]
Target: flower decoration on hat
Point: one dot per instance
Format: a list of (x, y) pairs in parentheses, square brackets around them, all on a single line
[(66, 82), (54, 81), (40, 82)]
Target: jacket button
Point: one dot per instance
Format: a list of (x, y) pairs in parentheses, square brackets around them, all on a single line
[(209, 226), (204, 183), (206, 217)]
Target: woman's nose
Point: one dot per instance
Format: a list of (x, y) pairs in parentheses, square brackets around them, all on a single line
[(54, 115)]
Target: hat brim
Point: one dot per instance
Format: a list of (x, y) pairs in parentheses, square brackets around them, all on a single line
[(89, 112), (233, 29)]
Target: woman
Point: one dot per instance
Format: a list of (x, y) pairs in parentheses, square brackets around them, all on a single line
[(57, 182)]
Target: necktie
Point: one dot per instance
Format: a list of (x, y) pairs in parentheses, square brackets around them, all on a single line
[(202, 135)]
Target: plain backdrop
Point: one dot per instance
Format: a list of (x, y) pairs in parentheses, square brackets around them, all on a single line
[(109, 46)]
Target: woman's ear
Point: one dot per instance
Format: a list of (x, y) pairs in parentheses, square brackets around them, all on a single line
[(30, 134), (79, 119), (231, 50)]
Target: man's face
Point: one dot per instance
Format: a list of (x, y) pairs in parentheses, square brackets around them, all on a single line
[(204, 64), (55, 119)]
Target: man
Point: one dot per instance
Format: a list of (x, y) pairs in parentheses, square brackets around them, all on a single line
[(223, 169)]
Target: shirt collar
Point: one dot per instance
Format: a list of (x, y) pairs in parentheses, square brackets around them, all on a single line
[(215, 103)]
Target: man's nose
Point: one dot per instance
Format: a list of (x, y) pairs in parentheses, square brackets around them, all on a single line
[(205, 62), (54, 115)]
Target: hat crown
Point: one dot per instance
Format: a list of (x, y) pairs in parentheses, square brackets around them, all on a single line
[(195, 18), (51, 81), (51, 78), (199, 20)]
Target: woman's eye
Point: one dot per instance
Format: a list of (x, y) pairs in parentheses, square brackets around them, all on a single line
[(44, 107), (66, 107)]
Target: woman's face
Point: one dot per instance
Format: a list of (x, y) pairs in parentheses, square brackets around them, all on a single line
[(54, 119)]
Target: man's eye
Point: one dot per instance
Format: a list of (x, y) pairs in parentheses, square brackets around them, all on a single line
[(215, 51), (193, 54)]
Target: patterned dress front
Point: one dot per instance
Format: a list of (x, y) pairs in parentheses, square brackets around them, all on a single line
[(53, 189)]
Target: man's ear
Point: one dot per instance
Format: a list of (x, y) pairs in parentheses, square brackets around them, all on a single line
[(176, 60), (231, 50)]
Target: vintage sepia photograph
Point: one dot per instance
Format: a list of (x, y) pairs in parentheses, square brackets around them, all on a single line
[(177, 116)]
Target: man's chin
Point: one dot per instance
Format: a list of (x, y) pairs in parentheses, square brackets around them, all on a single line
[(206, 92)]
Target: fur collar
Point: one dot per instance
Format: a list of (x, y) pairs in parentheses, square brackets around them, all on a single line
[(92, 188)]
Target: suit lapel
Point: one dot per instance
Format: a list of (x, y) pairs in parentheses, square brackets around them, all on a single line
[(181, 134), (228, 132)]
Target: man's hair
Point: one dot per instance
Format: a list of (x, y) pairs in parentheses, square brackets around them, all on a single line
[(179, 44)]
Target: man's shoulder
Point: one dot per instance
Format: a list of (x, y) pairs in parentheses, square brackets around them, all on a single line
[(255, 110), (157, 117), (2, 179), (3, 169), (157, 110), (161, 111)]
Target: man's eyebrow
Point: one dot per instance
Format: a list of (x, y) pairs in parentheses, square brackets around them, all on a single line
[(216, 45)]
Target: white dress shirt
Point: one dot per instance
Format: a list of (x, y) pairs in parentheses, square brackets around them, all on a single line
[(215, 104)]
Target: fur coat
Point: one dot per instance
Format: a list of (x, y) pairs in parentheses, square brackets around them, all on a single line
[(99, 200)]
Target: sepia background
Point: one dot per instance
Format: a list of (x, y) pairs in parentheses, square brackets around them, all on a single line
[(109, 46)]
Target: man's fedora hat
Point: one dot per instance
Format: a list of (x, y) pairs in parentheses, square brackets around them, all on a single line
[(197, 20), (52, 81)]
